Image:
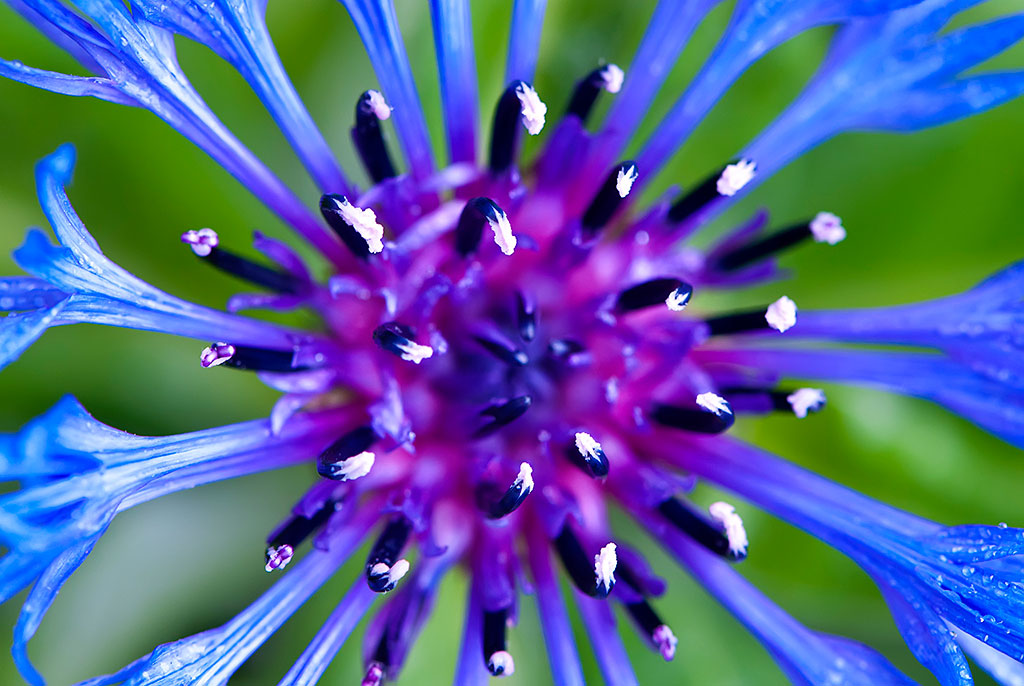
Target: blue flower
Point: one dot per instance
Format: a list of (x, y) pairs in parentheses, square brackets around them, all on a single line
[(506, 350)]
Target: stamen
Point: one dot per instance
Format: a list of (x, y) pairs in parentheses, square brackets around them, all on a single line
[(824, 228), (204, 244), (616, 187), (471, 224), (604, 569), (511, 499), (333, 461), (596, 580), (201, 241), (397, 339), (503, 414), (503, 350), (526, 316), (568, 351), (282, 543), (653, 626), (805, 400), (781, 314), (590, 456), (675, 293), (371, 109), (499, 661), (357, 228), (700, 528), (383, 568), (726, 182), (518, 102), (725, 515), (374, 675), (244, 357), (715, 416), (608, 78)]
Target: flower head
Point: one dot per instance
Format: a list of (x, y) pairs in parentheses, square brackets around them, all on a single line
[(505, 347)]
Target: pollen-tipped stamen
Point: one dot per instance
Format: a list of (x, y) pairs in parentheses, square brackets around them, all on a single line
[(518, 103), (249, 358), (780, 315), (206, 247), (470, 229), (357, 228), (346, 458), (397, 339), (503, 350), (282, 543), (726, 182), (495, 643), (383, 567), (675, 293), (799, 402), (502, 414), (595, 579), (496, 504), (609, 198), (368, 137), (824, 228), (698, 526), (652, 626), (712, 416), (606, 78), (589, 455), (374, 676)]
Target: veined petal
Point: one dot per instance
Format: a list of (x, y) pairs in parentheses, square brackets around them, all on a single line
[(453, 42), (65, 84), (524, 39)]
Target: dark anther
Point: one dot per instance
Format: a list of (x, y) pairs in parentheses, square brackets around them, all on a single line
[(282, 543), (699, 527), (692, 419), (526, 316), (588, 455), (397, 339), (613, 192), (504, 350), (738, 322), (476, 213), (744, 255), (587, 89), (655, 292), (578, 565), (330, 208), (331, 462), (261, 275), (644, 616), (753, 399), (506, 133), (253, 359), (697, 198), (495, 643), (368, 138), (496, 501), (383, 568), (503, 414)]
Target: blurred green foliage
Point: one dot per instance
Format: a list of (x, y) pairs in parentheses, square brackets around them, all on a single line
[(928, 215)]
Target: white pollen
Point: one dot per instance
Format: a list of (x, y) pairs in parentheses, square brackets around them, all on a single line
[(678, 299), (781, 314), (356, 467), (414, 352), (612, 76), (714, 403), (501, 663), (532, 108), (666, 641), (827, 228), (364, 222), (202, 241), (587, 446), (380, 107), (624, 181), (502, 229), (735, 176), (525, 477), (804, 400), (725, 515), (401, 568), (605, 563)]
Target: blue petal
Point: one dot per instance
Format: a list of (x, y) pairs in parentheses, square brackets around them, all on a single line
[(1002, 667), (453, 42), (237, 31), (377, 25), (19, 331), (65, 84), (524, 39)]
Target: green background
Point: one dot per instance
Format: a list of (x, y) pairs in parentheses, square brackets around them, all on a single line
[(928, 215)]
